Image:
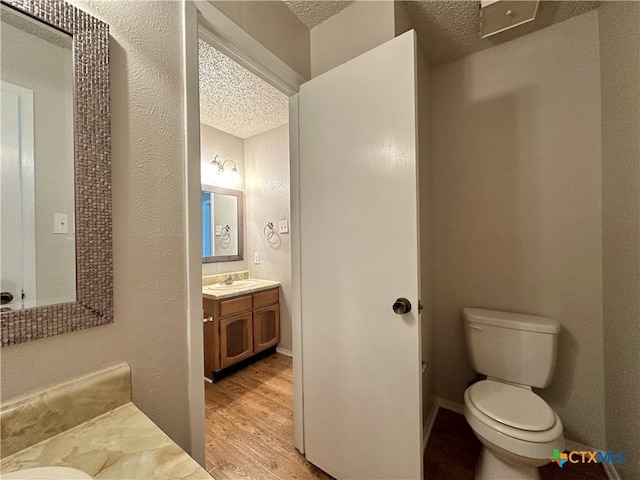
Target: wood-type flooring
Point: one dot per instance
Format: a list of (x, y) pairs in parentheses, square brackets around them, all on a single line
[(249, 433), (453, 451), (249, 425)]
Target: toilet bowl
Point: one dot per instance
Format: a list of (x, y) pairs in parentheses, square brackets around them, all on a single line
[(519, 431)]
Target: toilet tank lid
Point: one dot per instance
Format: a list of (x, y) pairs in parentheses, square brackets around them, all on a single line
[(515, 321)]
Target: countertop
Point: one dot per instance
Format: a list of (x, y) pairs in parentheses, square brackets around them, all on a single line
[(121, 444), (230, 291), (91, 424)]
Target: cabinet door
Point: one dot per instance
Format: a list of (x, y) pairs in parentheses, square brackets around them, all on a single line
[(236, 334), (266, 327)]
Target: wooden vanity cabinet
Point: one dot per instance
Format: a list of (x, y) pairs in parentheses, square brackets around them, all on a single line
[(238, 327)]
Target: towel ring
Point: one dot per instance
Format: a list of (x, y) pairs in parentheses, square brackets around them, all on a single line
[(269, 227), (225, 236)]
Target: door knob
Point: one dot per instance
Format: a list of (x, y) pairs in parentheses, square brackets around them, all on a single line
[(401, 306), (6, 297)]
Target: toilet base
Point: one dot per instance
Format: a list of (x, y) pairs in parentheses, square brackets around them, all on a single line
[(491, 467)]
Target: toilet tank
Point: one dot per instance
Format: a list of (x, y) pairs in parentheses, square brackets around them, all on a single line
[(510, 346)]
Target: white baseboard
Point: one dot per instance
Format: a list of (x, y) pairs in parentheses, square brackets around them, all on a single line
[(609, 468), (428, 426), (284, 351), (449, 405)]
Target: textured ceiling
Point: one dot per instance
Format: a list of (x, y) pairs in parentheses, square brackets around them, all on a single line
[(449, 29), (314, 12), (236, 101)]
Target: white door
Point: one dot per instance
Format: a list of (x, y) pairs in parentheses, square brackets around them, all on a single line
[(359, 253), (17, 227)]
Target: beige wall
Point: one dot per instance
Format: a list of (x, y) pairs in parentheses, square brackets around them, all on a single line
[(216, 142), (425, 178), (275, 27), (517, 172), (147, 135), (620, 68), (402, 20), (49, 74), (351, 32), (268, 186)]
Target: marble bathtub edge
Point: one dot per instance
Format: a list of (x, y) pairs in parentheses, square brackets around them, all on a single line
[(43, 413)]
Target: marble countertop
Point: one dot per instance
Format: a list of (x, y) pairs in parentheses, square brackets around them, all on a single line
[(90, 424), (218, 292), (120, 444)]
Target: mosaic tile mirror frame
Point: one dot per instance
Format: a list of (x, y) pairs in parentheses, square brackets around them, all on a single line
[(93, 305)]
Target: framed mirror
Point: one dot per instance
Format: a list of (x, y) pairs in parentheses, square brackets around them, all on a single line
[(56, 271), (222, 224)]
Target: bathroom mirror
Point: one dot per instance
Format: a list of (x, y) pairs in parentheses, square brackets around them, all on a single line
[(222, 224), (55, 233), (37, 258)]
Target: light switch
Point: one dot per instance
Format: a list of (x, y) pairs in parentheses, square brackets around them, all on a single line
[(218, 230), (283, 226), (256, 258), (60, 223)]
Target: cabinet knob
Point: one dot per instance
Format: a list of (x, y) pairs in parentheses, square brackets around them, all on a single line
[(401, 306), (207, 319)]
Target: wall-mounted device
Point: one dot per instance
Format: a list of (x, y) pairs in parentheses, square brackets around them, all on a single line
[(499, 15)]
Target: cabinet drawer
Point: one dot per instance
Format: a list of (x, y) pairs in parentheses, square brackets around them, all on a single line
[(266, 298), (234, 305)]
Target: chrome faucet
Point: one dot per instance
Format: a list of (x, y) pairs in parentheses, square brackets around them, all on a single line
[(228, 280)]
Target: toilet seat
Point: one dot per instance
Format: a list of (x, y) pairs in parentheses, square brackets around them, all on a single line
[(528, 444), (514, 406), (539, 436)]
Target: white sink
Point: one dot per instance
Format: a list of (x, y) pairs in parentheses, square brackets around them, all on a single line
[(234, 286), (47, 473)]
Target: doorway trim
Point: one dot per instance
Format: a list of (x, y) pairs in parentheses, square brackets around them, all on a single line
[(203, 21), (26, 121)]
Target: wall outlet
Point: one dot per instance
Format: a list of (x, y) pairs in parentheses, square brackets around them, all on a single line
[(283, 226), (256, 258), (60, 223)]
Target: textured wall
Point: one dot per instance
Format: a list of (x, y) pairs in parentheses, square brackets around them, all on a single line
[(351, 32), (216, 142), (620, 68), (267, 163), (147, 130), (50, 76), (517, 172), (275, 26)]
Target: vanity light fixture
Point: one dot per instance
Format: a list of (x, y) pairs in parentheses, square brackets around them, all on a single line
[(232, 176)]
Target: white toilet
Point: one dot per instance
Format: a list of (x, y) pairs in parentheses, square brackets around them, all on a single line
[(517, 428)]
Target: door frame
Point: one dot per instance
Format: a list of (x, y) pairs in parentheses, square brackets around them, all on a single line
[(202, 20), (27, 186)]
